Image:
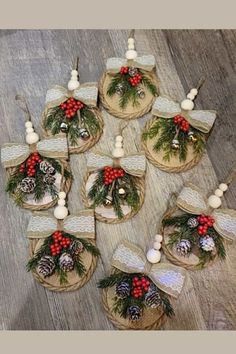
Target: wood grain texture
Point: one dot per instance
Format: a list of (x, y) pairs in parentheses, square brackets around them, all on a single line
[(30, 62)]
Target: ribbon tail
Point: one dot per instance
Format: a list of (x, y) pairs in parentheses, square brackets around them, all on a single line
[(164, 107), (41, 225), (87, 93), (55, 96), (113, 65), (96, 161), (200, 120), (134, 165), (54, 147), (145, 62), (81, 225), (14, 154), (225, 223), (191, 200)]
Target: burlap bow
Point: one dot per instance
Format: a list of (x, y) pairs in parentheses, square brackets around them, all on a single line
[(166, 108), (13, 154), (131, 259), (192, 201), (86, 93), (43, 224), (146, 62), (133, 164)]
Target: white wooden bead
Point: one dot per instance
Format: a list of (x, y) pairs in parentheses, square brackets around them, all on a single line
[(187, 105), (32, 138), (118, 152), (223, 187), (131, 40), (130, 46), (190, 96), (74, 73), (61, 202), (214, 201), (73, 85), (28, 124), (131, 54), (119, 138), (118, 144), (157, 245), (29, 130), (62, 195), (60, 212), (158, 238), (153, 256), (218, 192), (194, 91)]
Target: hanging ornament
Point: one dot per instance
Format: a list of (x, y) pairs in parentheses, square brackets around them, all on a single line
[(108, 202), (207, 243), (46, 266), (175, 144), (132, 78), (64, 127), (183, 247), (84, 134), (143, 299), (191, 137), (122, 192), (27, 185), (192, 222)]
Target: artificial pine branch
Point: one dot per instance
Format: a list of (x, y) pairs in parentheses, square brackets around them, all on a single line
[(111, 280), (90, 121), (166, 305), (148, 83)]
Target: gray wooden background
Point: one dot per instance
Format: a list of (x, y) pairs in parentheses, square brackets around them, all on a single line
[(30, 61)]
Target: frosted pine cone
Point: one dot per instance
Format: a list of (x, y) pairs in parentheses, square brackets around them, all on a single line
[(133, 71), (134, 313), (46, 266), (207, 243), (66, 262), (46, 167), (27, 185), (153, 299), (183, 247), (76, 247), (49, 179), (122, 290), (192, 222)]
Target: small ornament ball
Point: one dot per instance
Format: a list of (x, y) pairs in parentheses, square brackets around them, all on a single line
[(32, 138), (60, 212), (194, 91), (62, 195), (218, 192), (223, 187), (187, 104), (158, 238), (153, 256), (73, 85), (157, 245), (214, 201), (131, 54)]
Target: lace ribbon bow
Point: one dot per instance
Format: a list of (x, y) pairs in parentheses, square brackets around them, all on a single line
[(13, 154), (131, 259), (133, 164), (86, 93), (192, 201), (145, 62), (82, 225), (164, 107)]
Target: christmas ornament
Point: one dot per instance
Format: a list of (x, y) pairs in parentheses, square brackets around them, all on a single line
[(135, 295), (174, 139), (73, 110), (128, 87), (63, 252), (36, 170), (104, 185), (205, 229)]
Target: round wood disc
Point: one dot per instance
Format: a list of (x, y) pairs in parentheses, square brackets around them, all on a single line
[(74, 280), (150, 319), (111, 103), (174, 165)]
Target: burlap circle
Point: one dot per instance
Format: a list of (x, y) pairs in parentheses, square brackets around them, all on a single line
[(74, 281), (66, 183), (140, 183), (190, 262), (83, 145), (174, 165), (111, 104)]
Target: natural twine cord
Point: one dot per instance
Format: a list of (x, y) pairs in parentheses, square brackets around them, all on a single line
[(122, 114), (185, 167), (67, 287), (88, 144), (140, 184)]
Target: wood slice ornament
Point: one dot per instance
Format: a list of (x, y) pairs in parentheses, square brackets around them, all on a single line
[(114, 185), (174, 139), (74, 112), (136, 294), (129, 85), (36, 171), (195, 231), (62, 248)]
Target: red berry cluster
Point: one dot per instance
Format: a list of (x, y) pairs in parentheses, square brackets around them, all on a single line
[(124, 70), (30, 164), (135, 80), (140, 286), (59, 243), (111, 173), (71, 106), (182, 123), (205, 222)]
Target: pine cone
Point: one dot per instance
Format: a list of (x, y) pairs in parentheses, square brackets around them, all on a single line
[(152, 299), (66, 262), (192, 222), (46, 266), (46, 167), (134, 313), (207, 243), (133, 71), (122, 289), (49, 179), (76, 247), (27, 185), (140, 92), (119, 88), (183, 247)]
